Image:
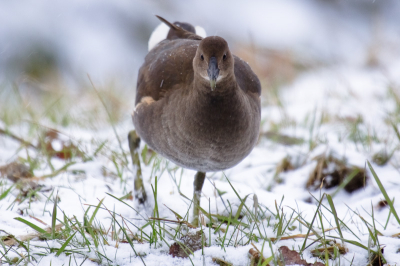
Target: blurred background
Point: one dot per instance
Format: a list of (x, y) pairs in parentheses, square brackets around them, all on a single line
[(43, 43)]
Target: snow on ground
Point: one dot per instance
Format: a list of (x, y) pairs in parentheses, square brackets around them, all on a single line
[(343, 106), (337, 93)]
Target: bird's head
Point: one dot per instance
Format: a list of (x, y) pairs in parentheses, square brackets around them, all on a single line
[(213, 60)]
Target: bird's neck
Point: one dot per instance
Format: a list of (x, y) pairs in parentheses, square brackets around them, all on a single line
[(225, 99), (225, 87)]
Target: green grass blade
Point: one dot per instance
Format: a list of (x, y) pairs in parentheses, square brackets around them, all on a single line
[(226, 232), (81, 230), (95, 211), (388, 218), (174, 212), (99, 148), (90, 231), (61, 250), (33, 226), (267, 261), (223, 218), (5, 193), (240, 208), (343, 223), (126, 196), (355, 243), (241, 200), (378, 181), (311, 224), (334, 214), (396, 131), (58, 171), (129, 241), (54, 218), (120, 200)]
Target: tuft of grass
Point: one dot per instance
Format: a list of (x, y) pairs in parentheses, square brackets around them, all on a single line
[(240, 223), (383, 190), (331, 171)]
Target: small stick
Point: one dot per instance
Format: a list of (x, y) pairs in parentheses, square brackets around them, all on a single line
[(14, 137)]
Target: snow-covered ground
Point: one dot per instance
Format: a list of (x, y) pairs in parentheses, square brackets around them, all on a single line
[(344, 105), (338, 93)]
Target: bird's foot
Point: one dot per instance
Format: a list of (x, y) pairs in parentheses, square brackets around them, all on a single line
[(139, 191)]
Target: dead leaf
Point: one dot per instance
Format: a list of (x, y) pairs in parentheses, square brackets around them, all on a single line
[(16, 171), (9, 240), (221, 262), (256, 257), (382, 204), (187, 245), (320, 252), (331, 171), (396, 235), (291, 257), (67, 151)]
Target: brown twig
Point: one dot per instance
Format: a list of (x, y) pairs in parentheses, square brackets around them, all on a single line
[(172, 221), (300, 235), (14, 137)]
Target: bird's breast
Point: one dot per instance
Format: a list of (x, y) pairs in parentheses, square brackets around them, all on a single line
[(209, 133)]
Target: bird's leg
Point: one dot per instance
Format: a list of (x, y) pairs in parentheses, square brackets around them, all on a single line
[(134, 143), (198, 185)]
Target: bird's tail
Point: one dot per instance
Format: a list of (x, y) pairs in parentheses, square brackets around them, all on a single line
[(168, 30), (180, 30)]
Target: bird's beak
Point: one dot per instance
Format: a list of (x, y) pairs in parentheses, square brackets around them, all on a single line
[(213, 72)]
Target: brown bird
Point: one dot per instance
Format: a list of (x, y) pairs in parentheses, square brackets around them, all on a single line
[(197, 105)]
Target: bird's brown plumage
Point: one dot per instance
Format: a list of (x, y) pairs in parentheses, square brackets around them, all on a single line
[(175, 34), (179, 116)]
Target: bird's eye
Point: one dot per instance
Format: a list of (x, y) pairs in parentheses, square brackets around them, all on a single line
[(202, 57), (224, 57)]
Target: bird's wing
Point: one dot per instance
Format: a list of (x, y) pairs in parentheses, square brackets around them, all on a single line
[(245, 77), (167, 67)]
